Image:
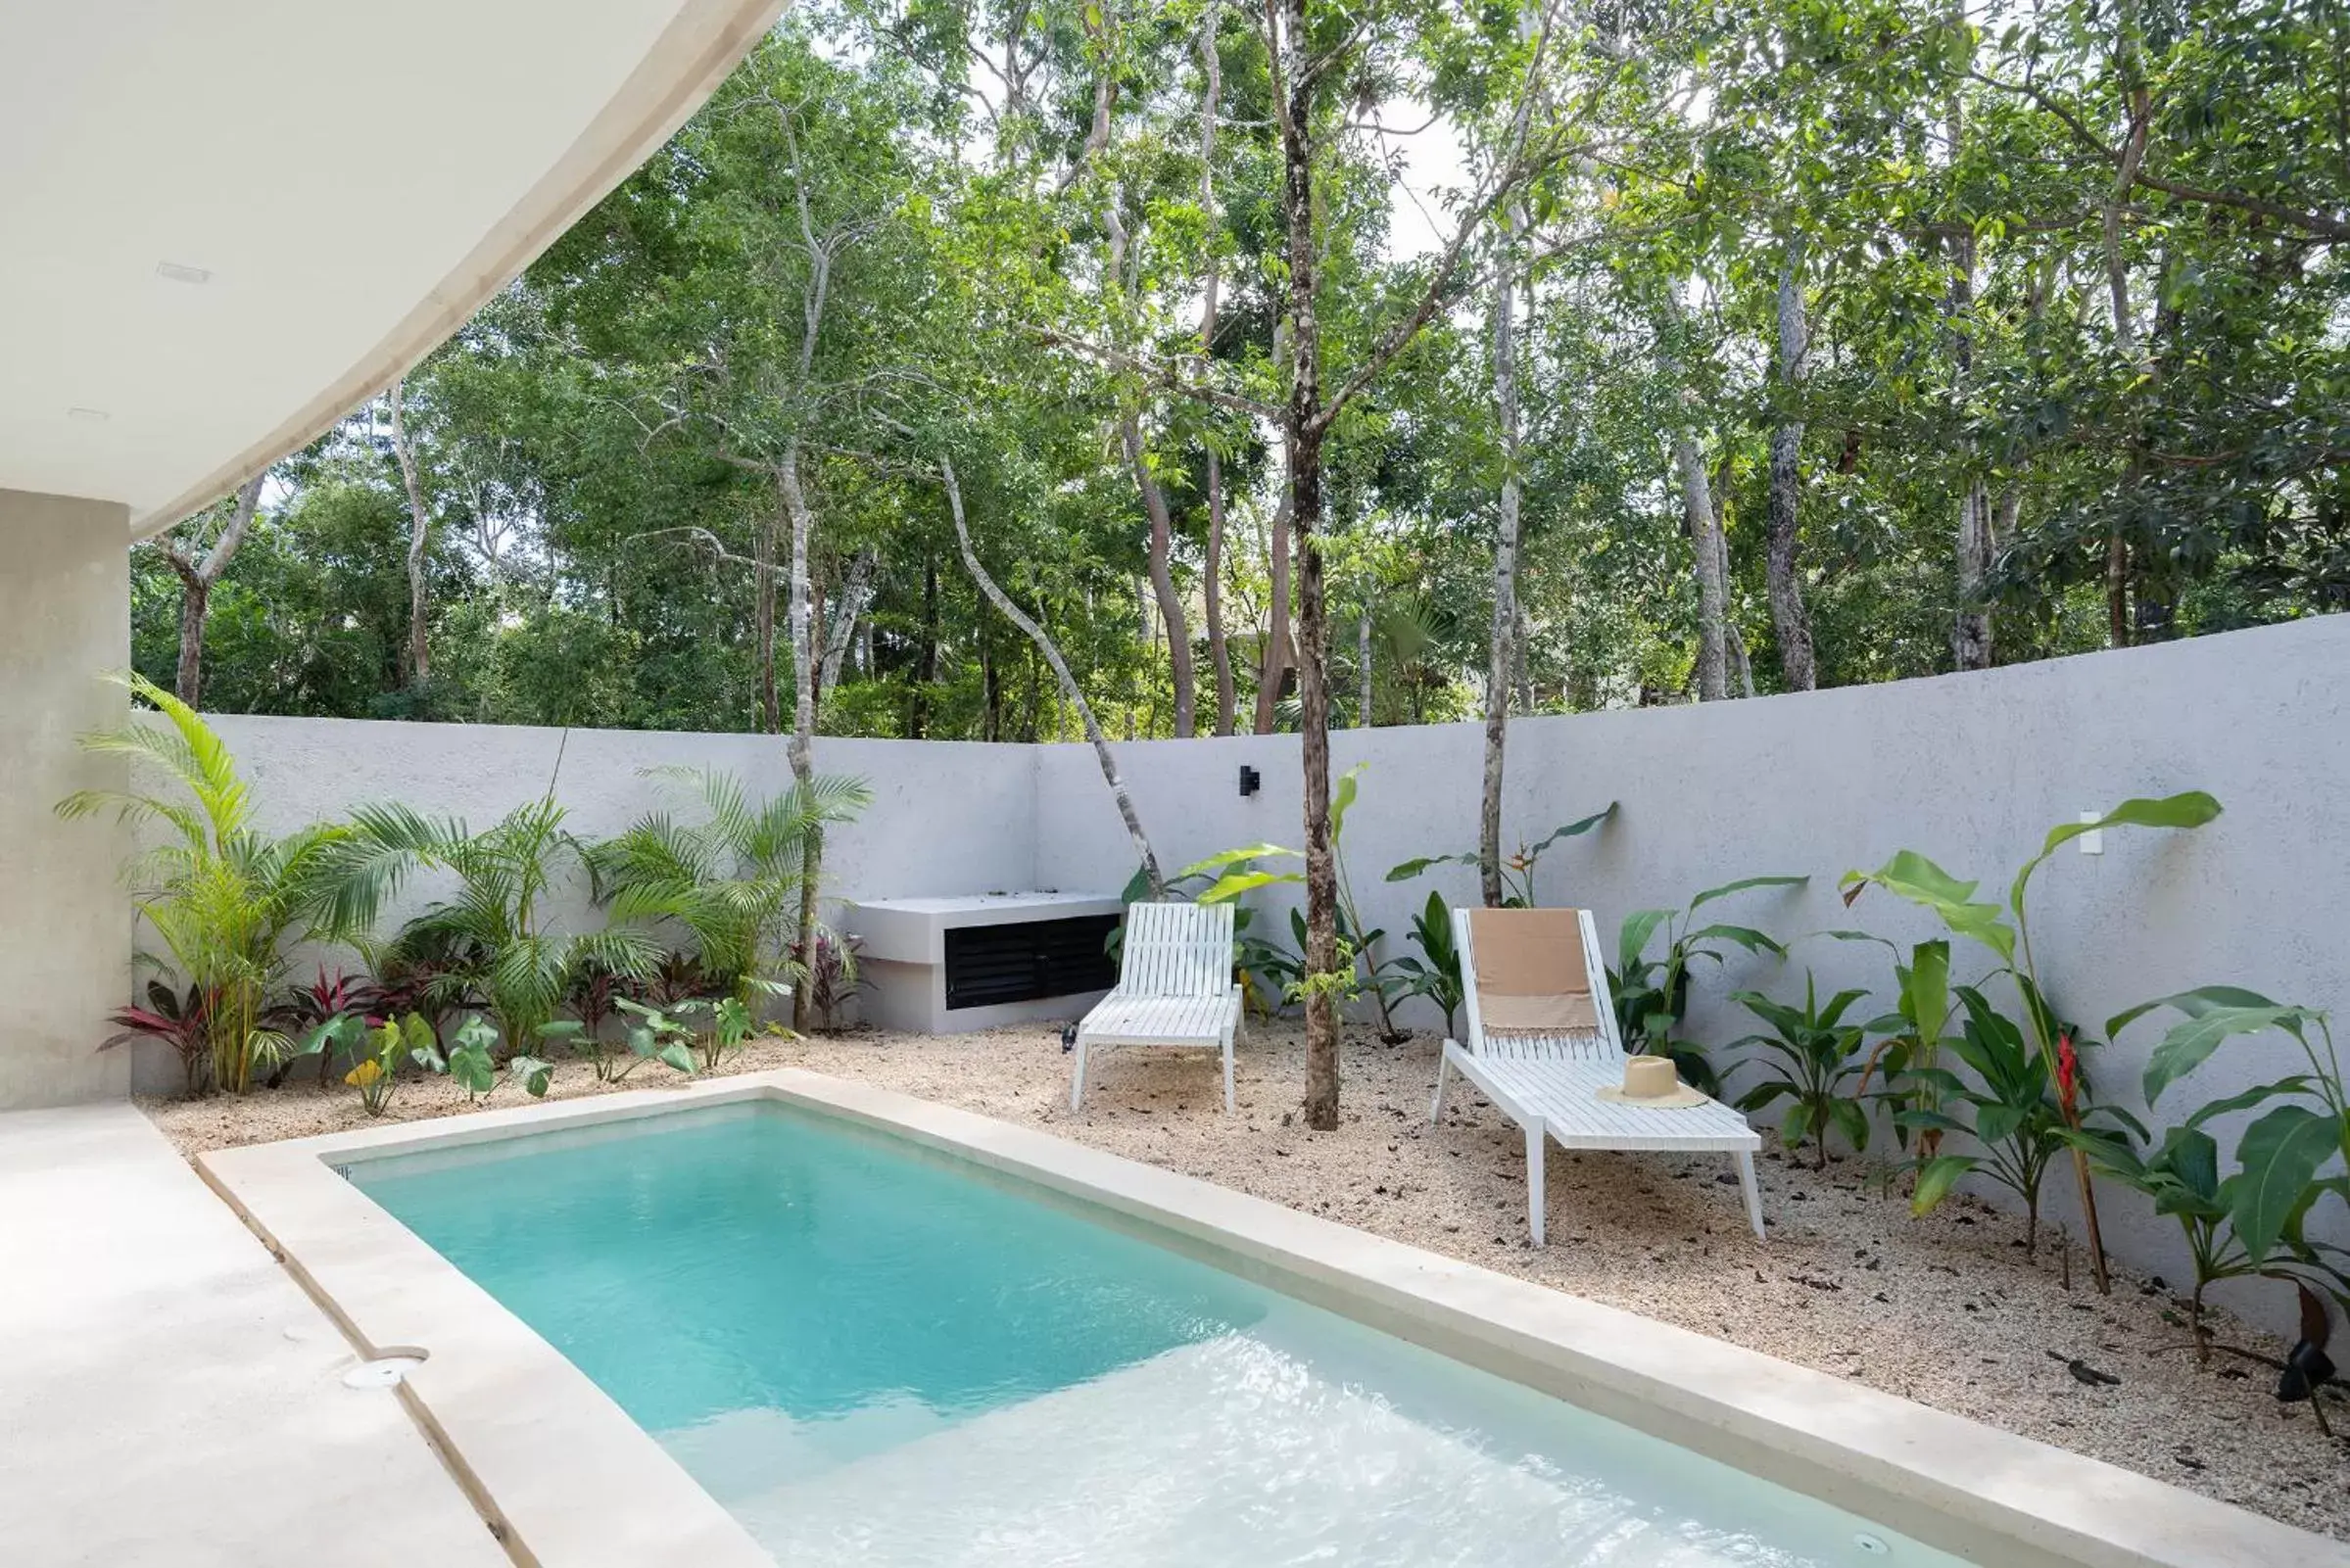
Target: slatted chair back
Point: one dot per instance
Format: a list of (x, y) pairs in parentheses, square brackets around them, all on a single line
[(1175, 949), (1604, 1045)]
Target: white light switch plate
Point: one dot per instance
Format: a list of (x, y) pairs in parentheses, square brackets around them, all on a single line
[(2093, 843)]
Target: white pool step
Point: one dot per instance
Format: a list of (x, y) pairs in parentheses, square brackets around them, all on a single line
[(1220, 1454)]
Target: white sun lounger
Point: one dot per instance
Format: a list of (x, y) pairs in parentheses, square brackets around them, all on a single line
[(1175, 987), (1548, 1087)]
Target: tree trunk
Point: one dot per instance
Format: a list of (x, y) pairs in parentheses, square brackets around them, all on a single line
[(1220, 653), (1279, 654), (849, 614), (926, 668), (1500, 663), (196, 580), (1701, 522), (1789, 618), (1303, 430), (1362, 666), (771, 716), (1154, 504), (419, 538), (800, 752), (1971, 626), (1070, 689)]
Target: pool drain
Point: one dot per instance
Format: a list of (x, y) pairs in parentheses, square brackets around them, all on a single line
[(1871, 1545), (381, 1373)]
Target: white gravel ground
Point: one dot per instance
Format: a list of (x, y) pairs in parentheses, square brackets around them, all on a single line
[(1947, 1310)]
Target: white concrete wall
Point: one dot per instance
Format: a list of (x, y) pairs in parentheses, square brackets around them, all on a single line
[(65, 926), (1969, 770)]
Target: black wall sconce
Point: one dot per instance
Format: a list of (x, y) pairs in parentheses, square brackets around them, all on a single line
[(1248, 779)]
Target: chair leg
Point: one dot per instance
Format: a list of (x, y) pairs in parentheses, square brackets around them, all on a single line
[(1444, 1069), (1534, 1204), (1228, 1073), (1077, 1080), (1745, 1180)]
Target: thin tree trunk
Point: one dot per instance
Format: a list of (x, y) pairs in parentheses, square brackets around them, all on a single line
[(1699, 521), (1220, 653), (1733, 634), (848, 613), (196, 580), (926, 668), (1790, 620), (1281, 654), (1154, 504), (771, 715), (419, 538), (801, 752), (1070, 689), (1971, 625), (1500, 662), (1362, 666), (1303, 431)]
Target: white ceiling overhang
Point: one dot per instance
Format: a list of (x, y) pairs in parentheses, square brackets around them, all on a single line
[(224, 225)]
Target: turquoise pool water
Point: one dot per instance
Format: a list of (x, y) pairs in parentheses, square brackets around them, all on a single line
[(874, 1356)]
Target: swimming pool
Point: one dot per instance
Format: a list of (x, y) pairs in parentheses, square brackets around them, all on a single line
[(873, 1355)]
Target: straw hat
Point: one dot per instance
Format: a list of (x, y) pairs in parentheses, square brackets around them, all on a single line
[(1649, 1080)]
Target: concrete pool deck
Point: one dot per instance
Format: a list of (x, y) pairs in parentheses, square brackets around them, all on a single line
[(168, 1393)]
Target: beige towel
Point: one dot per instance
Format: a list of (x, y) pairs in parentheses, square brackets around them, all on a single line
[(1532, 976)]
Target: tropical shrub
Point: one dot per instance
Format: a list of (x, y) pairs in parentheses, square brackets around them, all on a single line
[(300, 1011), (178, 1020), (470, 1062), (223, 896), (1652, 994), (1436, 973), (734, 880), (2006, 932), (2253, 1220), (375, 1074), (2021, 1110), (831, 975), (1806, 1059), (655, 1036), (1361, 971), (1517, 867), (491, 940)]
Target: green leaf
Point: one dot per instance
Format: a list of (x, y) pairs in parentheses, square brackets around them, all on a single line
[(2194, 1004), (1935, 1179), (1765, 1093), (1746, 936), (1851, 1121), (1233, 883), (677, 1056), (535, 1075), (1342, 796), (2298, 1083), (2185, 1047), (1795, 1127), (1232, 857), (1741, 885), (2191, 808), (1574, 830), (1413, 868), (1911, 876), (2279, 1153), (1633, 939), (1926, 990)]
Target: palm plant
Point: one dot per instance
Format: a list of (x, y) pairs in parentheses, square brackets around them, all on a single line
[(734, 880), (223, 896), (1811, 1054), (491, 940)]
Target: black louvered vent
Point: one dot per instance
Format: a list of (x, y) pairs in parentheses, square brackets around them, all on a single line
[(990, 965)]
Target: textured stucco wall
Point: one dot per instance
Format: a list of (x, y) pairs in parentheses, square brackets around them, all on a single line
[(1970, 770), (65, 930)]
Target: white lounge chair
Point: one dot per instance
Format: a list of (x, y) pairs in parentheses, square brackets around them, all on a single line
[(1175, 987), (1549, 1084)]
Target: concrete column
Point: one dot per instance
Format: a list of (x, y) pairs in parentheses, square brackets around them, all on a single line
[(64, 919)]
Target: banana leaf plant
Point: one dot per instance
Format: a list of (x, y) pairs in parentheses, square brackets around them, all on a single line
[(2021, 1112), (1517, 868), (2006, 932), (1808, 1058), (1652, 994), (1436, 973), (1242, 870), (2292, 1158)]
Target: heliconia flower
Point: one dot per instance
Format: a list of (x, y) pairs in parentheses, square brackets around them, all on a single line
[(2068, 1074)]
